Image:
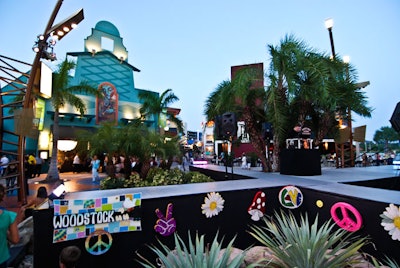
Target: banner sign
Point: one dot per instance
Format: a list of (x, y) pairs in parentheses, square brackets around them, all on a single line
[(75, 219)]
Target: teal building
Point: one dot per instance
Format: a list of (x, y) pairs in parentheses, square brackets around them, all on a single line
[(104, 63)]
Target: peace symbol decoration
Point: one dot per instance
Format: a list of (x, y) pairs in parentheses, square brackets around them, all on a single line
[(98, 242), (165, 225), (290, 197), (346, 216)]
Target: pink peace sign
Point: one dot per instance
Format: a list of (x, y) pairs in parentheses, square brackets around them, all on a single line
[(350, 220), (165, 225)]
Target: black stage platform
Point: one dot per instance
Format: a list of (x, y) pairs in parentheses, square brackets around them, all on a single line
[(300, 162)]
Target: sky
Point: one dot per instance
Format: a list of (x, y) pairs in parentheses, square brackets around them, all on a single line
[(190, 46)]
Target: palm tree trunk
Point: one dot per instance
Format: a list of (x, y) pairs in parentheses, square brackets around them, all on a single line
[(324, 123), (256, 139), (276, 167), (53, 174)]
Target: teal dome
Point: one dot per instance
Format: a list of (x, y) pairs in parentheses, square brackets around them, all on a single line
[(107, 27)]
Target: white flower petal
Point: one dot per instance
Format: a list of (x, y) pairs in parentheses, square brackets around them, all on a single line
[(396, 234)]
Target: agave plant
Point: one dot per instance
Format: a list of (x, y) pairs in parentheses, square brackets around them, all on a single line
[(297, 244), (196, 255)]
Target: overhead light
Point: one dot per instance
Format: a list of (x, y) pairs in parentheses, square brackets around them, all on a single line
[(66, 25), (66, 145), (329, 23)]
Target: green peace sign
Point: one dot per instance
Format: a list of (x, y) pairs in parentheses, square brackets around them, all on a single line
[(99, 247)]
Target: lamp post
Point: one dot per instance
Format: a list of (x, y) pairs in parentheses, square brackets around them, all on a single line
[(41, 49), (346, 60), (329, 26)]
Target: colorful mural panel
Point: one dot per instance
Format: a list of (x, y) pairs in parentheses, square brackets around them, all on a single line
[(107, 105), (75, 219)]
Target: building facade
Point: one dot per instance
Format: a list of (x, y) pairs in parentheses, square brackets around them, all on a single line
[(104, 64)]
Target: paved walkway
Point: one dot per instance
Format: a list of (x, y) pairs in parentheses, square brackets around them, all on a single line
[(74, 182), (77, 183)]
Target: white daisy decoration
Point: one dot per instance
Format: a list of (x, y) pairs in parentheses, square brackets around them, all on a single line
[(391, 221), (213, 204)]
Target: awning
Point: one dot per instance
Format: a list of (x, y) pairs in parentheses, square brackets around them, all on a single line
[(72, 132)]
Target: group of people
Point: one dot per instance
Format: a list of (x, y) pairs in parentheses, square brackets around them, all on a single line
[(9, 169)]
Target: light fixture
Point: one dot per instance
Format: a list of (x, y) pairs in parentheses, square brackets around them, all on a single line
[(66, 145), (329, 23), (35, 48), (65, 26), (346, 59), (54, 36)]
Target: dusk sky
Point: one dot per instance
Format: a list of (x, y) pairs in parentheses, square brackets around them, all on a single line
[(190, 46)]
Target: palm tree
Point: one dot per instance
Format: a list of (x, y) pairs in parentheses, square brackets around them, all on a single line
[(307, 84), (62, 94), (385, 135), (129, 140), (157, 106), (241, 97), (281, 90)]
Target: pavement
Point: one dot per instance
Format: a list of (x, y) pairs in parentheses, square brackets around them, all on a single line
[(78, 183), (74, 182)]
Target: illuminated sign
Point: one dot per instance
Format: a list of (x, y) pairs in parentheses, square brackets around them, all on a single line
[(39, 114)]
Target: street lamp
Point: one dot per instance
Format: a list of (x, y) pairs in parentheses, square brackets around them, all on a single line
[(346, 60), (329, 26), (42, 51)]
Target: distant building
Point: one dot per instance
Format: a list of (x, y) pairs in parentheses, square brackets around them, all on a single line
[(213, 145)]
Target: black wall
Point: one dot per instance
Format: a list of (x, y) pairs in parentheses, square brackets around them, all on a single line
[(233, 220)]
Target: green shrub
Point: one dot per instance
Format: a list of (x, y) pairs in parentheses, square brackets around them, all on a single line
[(195, 177), (155, 177), (299, 244), (111, 183)]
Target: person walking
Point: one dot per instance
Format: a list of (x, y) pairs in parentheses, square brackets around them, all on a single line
[(95, 163), (76, 163), (8, 230), (244, 161), (10, 180), (31, 166), (3, 165), (38, 166)]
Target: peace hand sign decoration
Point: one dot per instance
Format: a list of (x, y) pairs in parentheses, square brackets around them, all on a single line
[(165, 225)]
